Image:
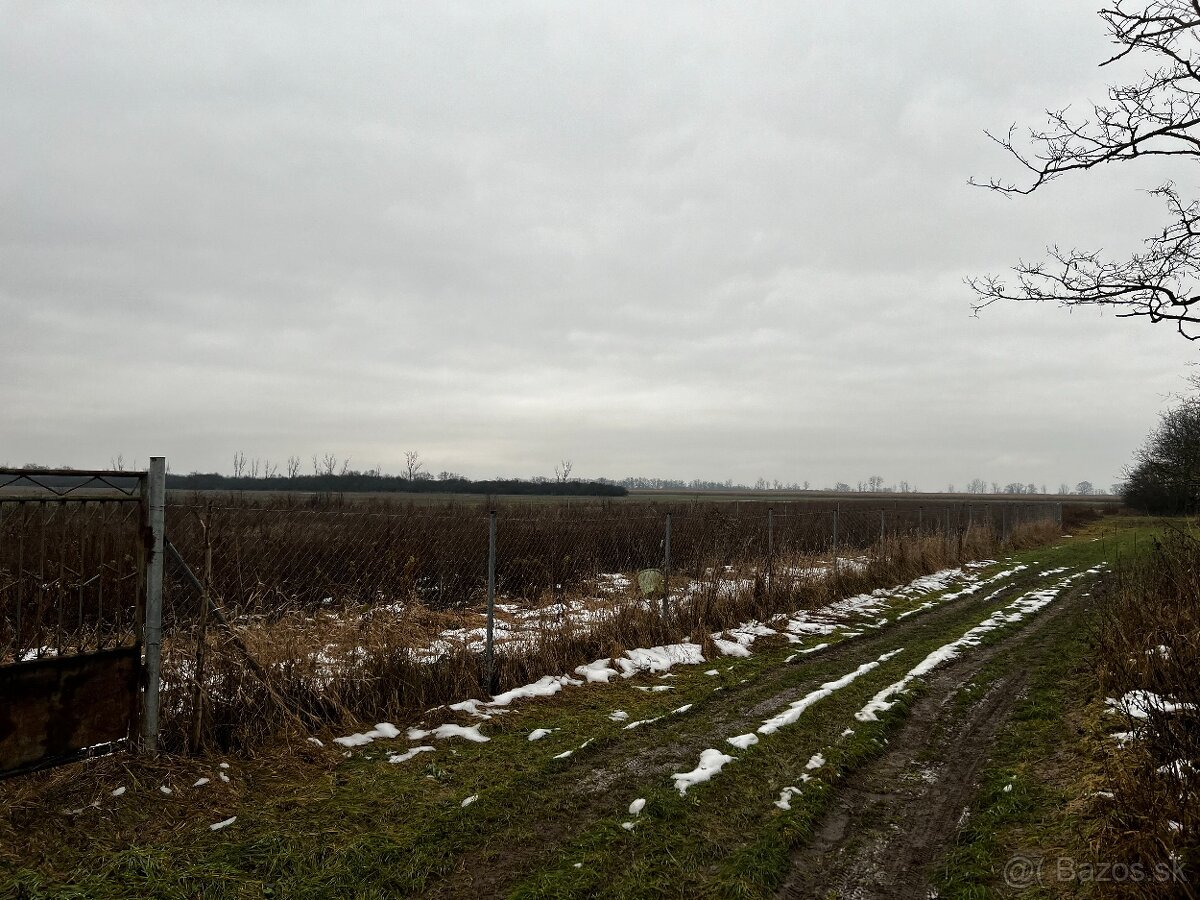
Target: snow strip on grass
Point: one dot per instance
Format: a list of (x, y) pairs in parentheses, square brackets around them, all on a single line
[(410, 753), (381, 730), (1023, 606), (449, 730), (538, 733), (796, 709)]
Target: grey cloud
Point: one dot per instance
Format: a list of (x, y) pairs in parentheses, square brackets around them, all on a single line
[(720, 240)]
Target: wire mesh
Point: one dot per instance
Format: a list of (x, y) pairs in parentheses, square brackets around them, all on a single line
[(356, 610), (70, 576)]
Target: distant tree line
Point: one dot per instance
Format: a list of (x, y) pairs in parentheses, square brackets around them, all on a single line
[(333, 475), (875, 484), (372, 481)]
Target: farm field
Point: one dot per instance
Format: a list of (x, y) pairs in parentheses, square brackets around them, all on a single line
[(815, 752)]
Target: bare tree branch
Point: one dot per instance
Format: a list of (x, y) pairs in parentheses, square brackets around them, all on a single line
[(1159, 115)]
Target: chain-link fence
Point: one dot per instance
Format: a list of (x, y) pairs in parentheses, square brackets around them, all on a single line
[(271, 559), (327, 611)]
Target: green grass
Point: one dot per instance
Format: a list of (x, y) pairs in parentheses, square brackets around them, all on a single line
[(1028, 802)]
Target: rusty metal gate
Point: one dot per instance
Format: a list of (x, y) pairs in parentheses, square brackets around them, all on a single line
[(80, 613)]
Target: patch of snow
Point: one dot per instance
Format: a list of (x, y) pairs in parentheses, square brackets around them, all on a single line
[(785, 797), (637, 723), (1141, 704), (730, 648), (381, 730), (410, 753), (118, 792), (564, 754), (1179, 768), (815, 762), (543, 687), (469, 733), (596, 672), (538, 733), (225, 823), (469, 800), (200, 782), (711, 762), (636, 807), (742, 741)]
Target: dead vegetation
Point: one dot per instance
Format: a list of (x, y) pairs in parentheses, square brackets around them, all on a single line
[(336, 667), (1149, 662)]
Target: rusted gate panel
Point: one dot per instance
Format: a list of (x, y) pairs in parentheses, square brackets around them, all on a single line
[(53, 710)]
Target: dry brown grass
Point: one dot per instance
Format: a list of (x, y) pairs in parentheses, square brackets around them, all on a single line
[(336, 670), (1150, 641)]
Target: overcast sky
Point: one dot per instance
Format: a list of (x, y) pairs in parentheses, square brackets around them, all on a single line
[(715, 240)]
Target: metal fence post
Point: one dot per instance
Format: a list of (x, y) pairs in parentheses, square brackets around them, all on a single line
[(837, 509), (489, 664), (666, 567), (770, 548), (1058, 518), (156, 490)]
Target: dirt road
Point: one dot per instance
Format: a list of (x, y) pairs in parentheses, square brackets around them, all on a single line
[(892, 821)]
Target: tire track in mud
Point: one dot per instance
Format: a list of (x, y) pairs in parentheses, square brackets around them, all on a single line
[(892, 820), (618, 768), (742, 707)]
